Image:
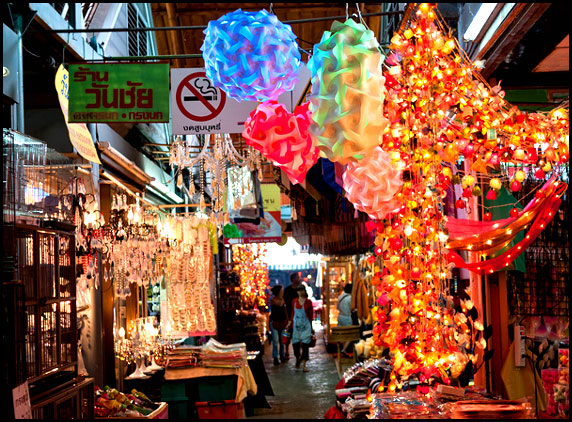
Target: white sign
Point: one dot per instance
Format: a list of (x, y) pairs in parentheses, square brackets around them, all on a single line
[(22, 405), (198, 107)]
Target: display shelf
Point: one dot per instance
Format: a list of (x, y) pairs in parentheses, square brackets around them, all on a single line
[(76, 401), (47, 271), (337, 274)]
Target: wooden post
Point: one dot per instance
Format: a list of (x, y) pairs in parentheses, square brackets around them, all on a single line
[(497, 291), (107, 301)]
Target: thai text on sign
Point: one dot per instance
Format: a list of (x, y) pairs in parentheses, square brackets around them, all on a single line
[(119, 93)]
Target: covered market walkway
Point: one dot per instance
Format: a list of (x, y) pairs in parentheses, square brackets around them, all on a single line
[(299, 395)]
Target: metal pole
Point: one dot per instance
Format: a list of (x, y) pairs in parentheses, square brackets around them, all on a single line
[(20, 74), (160, 57), (195, 27)]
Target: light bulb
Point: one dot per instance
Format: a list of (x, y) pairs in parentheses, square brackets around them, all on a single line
[(408, 231), (495, 183)]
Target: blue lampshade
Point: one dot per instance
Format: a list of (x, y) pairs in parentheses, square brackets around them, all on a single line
[(252, 56)]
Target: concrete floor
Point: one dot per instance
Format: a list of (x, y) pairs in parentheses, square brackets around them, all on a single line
[(300, 395)]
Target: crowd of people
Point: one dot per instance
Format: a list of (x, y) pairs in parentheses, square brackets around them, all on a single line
[(291, 316)]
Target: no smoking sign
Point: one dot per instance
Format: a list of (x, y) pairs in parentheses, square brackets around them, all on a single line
[(198, 99), (198, 107)]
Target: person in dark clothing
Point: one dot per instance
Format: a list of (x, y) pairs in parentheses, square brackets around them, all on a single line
[(278, 322), (291, 293)]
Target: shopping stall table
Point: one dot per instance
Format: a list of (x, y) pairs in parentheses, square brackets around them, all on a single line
[(258, 400), (183, 388), (150, 385)]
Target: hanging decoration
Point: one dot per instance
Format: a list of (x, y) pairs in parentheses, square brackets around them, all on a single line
[(251, 56), (215, 159), (440, 111), (346, 99), (191, 308), (250, 263), (484, 236), (372, 183), (283, 138), (542, 217)]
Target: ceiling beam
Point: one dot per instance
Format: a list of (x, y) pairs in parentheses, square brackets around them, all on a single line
[(509, 34), (175, 36)]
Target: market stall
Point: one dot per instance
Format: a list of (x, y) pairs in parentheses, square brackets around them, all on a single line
[(138, 261)]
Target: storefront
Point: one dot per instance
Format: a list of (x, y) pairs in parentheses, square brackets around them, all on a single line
[(153, 199)]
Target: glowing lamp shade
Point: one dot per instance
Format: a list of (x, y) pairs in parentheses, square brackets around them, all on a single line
[(251, 56), (468, 180), (283, 138), (348, 89), (495, 183), (519, 154), (520, 176), (371, 184)]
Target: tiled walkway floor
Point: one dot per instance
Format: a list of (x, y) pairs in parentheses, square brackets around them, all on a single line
[(300, 395)]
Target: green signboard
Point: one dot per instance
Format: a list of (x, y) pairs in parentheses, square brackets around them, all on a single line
[(119, 93)]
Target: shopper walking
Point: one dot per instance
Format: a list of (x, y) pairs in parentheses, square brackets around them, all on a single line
[(291, 293), (301, 322), (278, 323)]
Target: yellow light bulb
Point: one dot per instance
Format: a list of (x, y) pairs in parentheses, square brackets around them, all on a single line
[(495, 183), (520, 176)]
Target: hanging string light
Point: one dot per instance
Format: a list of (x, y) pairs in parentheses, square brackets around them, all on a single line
[(250, 263), (440, 110)]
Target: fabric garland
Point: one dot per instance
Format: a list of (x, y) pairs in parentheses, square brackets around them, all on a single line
[(488, 267)]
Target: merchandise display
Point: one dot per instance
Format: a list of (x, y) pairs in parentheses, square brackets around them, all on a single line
[(110, 403), (384, 186), (191, 306), (283, 138), (274, 59), (251, 266), (417, 250), (346, 99)]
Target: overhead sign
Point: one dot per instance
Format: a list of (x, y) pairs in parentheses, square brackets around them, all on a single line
[(119, 93), (198, 107), (79, 134)]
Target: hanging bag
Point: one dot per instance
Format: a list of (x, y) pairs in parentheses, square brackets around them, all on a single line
[(355, 319), (313, 340)]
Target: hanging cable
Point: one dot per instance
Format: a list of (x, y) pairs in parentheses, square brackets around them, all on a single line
[(361, 17)]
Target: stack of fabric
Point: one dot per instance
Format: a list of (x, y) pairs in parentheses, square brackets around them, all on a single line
[(403, 405), (356, 408), (491, 409), (371, 373), (217, 355), (183, 357)]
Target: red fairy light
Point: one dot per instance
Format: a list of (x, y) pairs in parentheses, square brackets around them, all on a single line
[(439, 111)]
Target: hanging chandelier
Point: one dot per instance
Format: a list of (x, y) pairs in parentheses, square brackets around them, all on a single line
[(214, 160)]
